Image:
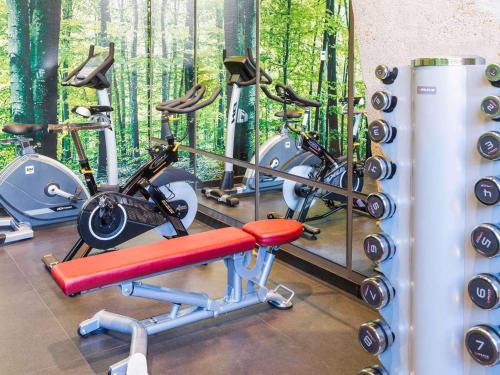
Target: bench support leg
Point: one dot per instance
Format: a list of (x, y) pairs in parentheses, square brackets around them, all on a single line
[(123, 324)]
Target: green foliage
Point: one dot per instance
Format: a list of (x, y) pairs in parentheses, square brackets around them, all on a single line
[(80, 26)]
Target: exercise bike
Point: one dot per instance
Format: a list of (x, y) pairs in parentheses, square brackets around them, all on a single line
[(109, 218), (35, 190), (331, 170), (275, 153)]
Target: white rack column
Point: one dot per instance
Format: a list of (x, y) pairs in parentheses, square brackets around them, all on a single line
[(438, 218)]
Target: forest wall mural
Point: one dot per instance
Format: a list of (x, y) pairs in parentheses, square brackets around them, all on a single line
[(162, 48)]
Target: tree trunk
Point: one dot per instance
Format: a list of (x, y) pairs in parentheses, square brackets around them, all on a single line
[(221, 120), (239, 31), (332, 117), (45, 27), (67, 14), (103, 42), (318, 114), (286, 46), (134, 120), (188, 68), (149, 69), (19, 61), (164, 55), (123, 94)]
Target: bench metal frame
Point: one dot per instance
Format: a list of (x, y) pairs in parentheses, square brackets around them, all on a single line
[(201, 306)]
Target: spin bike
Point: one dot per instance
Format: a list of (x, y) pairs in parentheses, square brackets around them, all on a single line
[(330, 170), (114, 214)]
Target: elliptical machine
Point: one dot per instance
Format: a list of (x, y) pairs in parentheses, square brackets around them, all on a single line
[(330, 170), (110, 218)]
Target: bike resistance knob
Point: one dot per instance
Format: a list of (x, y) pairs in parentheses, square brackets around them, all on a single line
[(483, 344), (383, 101), (385, 74), (492, 74), (488, 145), (484, 291), (377, 291), (380, 131), (379, 247), (487, 190), (380, 206), (375, 336), (374, 370), (485, 239), (379, 168), (490, 106)]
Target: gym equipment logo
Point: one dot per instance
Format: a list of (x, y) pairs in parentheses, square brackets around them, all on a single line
[(426, 90)]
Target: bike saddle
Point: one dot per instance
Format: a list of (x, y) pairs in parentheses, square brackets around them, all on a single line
[(289, 114), (87, 111), (21, 129)]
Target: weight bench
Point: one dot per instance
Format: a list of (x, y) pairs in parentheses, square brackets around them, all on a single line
[(126, 267)]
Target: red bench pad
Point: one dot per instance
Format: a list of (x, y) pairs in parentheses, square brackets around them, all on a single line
[(114, 267), (274, 232)]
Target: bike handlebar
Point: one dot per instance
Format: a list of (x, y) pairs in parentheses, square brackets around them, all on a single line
[(190, 102), (286, 95), (265, 78), (192, 96)]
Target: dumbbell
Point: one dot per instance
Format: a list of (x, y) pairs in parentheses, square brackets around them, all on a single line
[(377, 291), (379, 168), (492, 74), (385, 74), (490, 106), (380, 131), (383, 101), (487, 190), (488, 145), (485, 239), (484, 291), (379, 247), (375, 336), (374, 370), (483, 344), (380, 206)]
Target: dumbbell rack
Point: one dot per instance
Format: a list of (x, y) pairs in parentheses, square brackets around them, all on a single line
[(444, 112)]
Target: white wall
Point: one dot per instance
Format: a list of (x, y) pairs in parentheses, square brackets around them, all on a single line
[(392, 32)]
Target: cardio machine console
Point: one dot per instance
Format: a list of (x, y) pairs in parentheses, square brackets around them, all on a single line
[(92, 72)]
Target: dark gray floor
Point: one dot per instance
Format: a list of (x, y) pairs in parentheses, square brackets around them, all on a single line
[(38, 334)]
